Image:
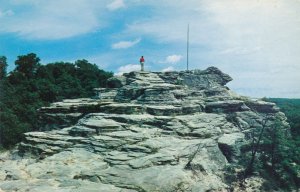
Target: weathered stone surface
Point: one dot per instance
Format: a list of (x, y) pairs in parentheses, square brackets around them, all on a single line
[(263, 107), (104, 94), (72, 170), (59, 120), (230, 145), (225, 106), (173, 131), (210, 77)]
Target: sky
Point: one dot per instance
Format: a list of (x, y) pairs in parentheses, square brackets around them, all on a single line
[(256, 42)]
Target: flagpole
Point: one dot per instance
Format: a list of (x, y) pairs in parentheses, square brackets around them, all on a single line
[(187, 47)]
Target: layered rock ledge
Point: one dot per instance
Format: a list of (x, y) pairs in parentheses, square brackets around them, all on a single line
[(151, 131)]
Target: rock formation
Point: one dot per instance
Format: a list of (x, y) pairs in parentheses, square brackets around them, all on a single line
[(151, 131)]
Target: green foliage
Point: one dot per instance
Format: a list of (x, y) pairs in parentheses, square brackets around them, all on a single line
[(11, 128), (114, 82), (287, 164), (277, 154), (27, 64), (31, 86), (11, 125), (280, 157), (90, 76), (70, 80), (3, 66), (291, 108)]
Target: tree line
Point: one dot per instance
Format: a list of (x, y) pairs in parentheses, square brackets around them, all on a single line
[(32, 85)]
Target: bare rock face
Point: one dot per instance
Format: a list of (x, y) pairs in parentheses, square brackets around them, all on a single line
[(173, 131)]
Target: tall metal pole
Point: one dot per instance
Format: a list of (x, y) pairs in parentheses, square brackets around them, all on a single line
[(187, 47)]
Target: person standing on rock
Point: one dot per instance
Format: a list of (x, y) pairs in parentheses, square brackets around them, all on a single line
[(142, 61)]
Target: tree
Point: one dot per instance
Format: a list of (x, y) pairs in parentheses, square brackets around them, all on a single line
[(280, 156), (11, 124), (257, 136), (3, 66), (11, 128), (272, 153), (90, 76), (27, 64), (31, 86)]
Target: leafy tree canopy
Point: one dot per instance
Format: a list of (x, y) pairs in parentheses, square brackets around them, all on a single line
[(33, 85), (27, 64), (3, 66)]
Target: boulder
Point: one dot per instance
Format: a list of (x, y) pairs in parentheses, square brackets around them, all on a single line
[(230, 145)]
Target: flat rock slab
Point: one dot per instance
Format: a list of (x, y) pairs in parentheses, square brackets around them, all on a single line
[(102, 125)]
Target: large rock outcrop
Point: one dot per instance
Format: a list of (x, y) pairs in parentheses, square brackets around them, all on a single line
[(172, 131)]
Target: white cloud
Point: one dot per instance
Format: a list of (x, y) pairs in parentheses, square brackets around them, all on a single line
[(117, 4), (240, 50), (52, 19), (128, 68), (170, 68), (125, 44), (172, 59)]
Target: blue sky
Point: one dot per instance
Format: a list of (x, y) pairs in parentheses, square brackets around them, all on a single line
[(257, 42)]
